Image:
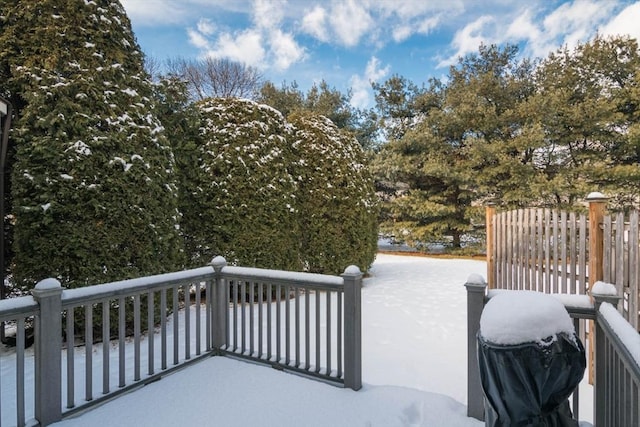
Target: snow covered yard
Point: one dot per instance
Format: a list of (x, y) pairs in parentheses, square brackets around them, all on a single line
[(414, 367)]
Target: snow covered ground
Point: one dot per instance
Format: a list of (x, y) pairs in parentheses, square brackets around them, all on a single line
[(414, 367)]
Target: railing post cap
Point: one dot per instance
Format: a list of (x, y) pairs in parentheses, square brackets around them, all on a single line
[(476, 281), (48, 284), (596, 196), (352, 270), (218, 262), (46, 288)]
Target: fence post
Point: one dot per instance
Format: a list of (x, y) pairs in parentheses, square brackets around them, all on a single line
[(476, 287), (600, 390), (219, 305), (490, 211), (352, 277), (48, 350), (597, 206)]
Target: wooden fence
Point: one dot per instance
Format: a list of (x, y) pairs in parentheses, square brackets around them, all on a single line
[(555, 251)]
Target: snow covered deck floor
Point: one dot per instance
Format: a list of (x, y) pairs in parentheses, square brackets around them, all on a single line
[(226, 392), (414, 366)]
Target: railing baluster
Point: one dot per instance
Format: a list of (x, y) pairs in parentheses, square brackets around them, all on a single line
[(176, 325), (88, 353), (150, 332), (243, 319), (198, 327), (307, 330), (235, 315), (121, 334), (317, 298), (328, 367), (339, 309), (297, 325), (136, 337), (287, 326), (251, 321), (106, 336), (278, 331), (209, 315), (269, 304), (20, 341), (187, 321), (260, 323), (70, 357), (163, 328)]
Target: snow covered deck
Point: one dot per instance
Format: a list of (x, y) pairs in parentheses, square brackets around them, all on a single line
[(414, 367), (413, 356)]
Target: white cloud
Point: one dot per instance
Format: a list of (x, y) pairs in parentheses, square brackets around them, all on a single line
[(152, 12), (263, 45), (197, 39), (285, 50), (402, 33), (361, 85), (268, 14), (206, 27), (314, 23), (523, 28), (574, 22), (245, 47), (350, 21), (627, 22), (468, 39), (428, 24)]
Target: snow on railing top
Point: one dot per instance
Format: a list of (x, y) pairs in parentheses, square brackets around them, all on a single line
[(627, 334), (11, 307), (131, 286), (286, 276)]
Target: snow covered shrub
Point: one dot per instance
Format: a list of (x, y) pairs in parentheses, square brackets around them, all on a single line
[(92, 181), (336, 197), (244, 198), (93, 191)]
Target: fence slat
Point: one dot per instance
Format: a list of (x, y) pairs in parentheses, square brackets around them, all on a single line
[(583, 256), (540, 249), (607, 257), (573, 253), (634, 271), (563, 252)]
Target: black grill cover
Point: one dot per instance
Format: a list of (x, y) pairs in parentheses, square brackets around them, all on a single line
[(530, 384)]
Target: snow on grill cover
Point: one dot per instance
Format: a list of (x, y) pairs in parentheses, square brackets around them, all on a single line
[(530, 360)]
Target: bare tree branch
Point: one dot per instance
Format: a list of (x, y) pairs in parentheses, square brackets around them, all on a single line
[(216, 77)]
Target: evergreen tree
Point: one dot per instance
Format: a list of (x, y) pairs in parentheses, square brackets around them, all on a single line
[(244, 197), (326, 101), (336, 199), (588, 107), (466, 142), (94, 194)]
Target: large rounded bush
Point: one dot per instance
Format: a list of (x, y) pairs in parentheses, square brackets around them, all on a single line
[(243, 194), (336, 197)]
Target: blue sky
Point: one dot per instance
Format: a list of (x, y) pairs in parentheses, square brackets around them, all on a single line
[(350, 43)]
